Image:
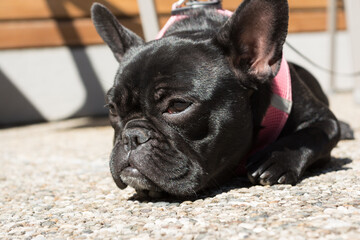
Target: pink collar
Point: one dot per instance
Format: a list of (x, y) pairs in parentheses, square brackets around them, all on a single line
[(276, 115), (281, 100), (279, 109)]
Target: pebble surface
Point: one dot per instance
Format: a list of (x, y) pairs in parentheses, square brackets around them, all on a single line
[(55, 184)]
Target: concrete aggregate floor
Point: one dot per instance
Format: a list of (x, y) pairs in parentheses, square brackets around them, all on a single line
[(55, 184)]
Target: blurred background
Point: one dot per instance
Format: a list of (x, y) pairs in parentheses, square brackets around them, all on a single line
[(54, 66)]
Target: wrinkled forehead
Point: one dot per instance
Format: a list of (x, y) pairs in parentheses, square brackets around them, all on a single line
[(173, 65), (171, 59)]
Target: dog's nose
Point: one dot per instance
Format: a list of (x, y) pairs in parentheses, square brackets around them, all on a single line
[(134, 137)]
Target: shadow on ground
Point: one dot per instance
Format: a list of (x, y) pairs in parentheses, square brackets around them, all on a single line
[(336, 164), (91, 122), (12, 99)]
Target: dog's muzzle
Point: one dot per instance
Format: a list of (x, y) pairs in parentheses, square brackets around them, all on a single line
[(132, 138)]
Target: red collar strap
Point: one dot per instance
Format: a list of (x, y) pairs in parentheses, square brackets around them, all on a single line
[(281, 100)]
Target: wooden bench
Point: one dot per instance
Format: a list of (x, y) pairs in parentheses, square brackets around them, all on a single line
[(45, 23)]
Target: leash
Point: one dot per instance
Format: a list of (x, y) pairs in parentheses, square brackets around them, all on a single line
[(336, 73)]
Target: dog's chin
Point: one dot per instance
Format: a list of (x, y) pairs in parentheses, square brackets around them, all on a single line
[(135, 179)]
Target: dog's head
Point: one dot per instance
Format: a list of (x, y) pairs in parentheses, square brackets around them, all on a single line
[(183, 108)]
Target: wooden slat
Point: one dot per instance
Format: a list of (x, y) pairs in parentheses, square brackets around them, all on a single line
[(42, 9), (305, 16), (44, 33), (40, 33), (313, 22), (293, 4), (311, 4)]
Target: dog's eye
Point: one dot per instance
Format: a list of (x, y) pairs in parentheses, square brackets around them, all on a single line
[(177, 107), (112, 108)]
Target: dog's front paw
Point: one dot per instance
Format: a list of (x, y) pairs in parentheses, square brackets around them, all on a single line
[(274, 167)]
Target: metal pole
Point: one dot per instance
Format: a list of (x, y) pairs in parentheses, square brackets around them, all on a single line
[(352, 8), (332, 26), (149, 20)]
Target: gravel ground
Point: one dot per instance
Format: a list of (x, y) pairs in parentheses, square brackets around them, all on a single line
[(55, 184)]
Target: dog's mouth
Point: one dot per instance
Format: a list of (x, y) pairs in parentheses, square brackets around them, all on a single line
[(154, 171), (135, 179)]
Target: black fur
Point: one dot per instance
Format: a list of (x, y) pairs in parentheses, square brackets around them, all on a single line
[(187, 108)]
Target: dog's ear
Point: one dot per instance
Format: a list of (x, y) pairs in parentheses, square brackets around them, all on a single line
[(117, 37), (254, 35)]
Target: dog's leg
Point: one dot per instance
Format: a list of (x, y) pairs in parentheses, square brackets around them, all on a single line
[(346, 131), (286, 160), (308, 137)]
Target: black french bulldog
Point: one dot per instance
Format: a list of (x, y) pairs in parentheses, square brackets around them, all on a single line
[(187, 108)]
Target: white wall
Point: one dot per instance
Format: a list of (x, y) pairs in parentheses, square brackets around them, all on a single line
[(353, 19), (316, 46), (54, 83)]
